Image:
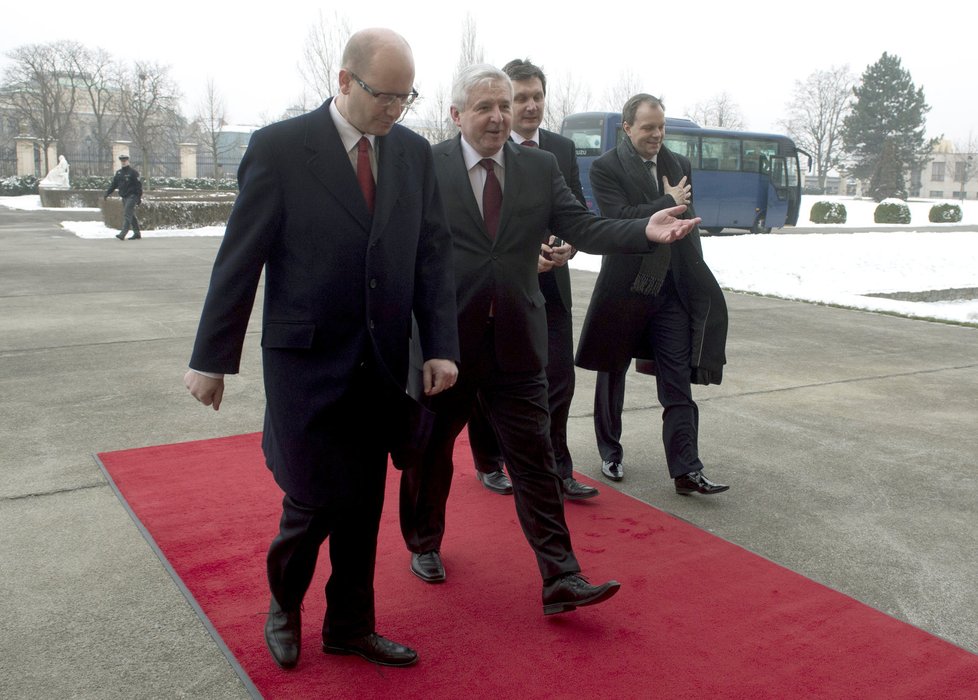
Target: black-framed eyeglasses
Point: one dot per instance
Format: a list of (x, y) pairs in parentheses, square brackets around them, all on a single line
[(386, 99)]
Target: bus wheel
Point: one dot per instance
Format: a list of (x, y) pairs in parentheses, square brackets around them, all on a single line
[(713, 230), (759, 226)]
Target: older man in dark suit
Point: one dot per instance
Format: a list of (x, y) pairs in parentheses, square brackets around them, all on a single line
[(501, 201), (529, 104), (665, 306), (340, 207)]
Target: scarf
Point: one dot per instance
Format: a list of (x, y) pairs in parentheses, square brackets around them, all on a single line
[(655, 265)]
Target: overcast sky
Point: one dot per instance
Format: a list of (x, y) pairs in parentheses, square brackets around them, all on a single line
[(686, 52)]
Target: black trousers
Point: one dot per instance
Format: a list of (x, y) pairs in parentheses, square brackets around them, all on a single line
[(517, 405), (668, 330), (483, 440), (129, 220), (351, 523)]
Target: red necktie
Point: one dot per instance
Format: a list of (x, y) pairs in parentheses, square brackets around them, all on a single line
[(364, 175), (529, 144), (492, 198)]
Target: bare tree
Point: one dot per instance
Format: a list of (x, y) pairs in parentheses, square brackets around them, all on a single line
[(150, 110), (617, 94), (469, 51), (434, 117), (96, 78), (42, 84), (816, 113), (321, 57), (209, 123), (720, 111), (564, 96)]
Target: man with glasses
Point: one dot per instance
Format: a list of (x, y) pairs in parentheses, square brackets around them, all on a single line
[(340, 208)]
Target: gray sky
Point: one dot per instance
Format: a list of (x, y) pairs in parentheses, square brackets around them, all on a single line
[(686, 52)]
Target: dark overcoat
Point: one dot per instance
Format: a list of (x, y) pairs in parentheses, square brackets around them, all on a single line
[(614, 328), (340, 288)]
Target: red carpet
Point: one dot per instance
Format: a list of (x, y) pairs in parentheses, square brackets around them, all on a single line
[(212, 508)]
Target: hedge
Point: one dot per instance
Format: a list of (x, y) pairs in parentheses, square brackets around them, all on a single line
[(828, 213), (892, 213), (19, 185), (164, 213), (944, 213), (16, 185)]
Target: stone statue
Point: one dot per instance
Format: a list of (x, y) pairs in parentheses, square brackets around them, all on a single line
[(58, 177)]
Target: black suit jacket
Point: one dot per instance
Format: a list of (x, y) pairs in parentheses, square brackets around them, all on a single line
[(504, 271), (340, 287), (555, 283), (614, 328)]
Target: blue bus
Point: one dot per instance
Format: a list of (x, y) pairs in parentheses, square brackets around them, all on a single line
[(741, 180)]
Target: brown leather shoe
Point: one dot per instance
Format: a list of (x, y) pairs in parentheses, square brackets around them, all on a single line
[(373, 648), (572, 591), (283, 634)]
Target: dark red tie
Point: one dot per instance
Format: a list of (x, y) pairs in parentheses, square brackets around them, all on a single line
[(364, 175), (529, 144), (492, 198)]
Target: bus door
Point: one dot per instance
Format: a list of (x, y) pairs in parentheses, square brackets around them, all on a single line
[(794, 190), (778, 196)]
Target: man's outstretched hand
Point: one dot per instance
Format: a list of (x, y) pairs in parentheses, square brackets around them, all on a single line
[(664, 227)]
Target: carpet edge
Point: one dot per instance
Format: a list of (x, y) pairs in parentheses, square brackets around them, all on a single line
[(181, 586)]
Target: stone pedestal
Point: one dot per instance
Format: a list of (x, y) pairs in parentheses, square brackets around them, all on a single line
[(188, 160)]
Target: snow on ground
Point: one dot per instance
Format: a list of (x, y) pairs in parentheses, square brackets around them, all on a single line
[(831, 267)]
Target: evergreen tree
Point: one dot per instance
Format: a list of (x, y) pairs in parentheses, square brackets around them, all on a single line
[(887, 179), (887, 117)]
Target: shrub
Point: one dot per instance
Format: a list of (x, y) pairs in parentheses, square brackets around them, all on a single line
[(828, 213), (18, 185), (944, 213), (166, 213), (197, 183), (90, 182), (892, 213)]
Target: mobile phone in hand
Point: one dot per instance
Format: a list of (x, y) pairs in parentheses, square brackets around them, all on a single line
[(556, 242)]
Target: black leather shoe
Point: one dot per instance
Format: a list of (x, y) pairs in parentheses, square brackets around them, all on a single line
[(121, 236), (574, 490), (283, 634), (572, 591), (428, 567), (695, 482), (373, 648), (134, 237), (496, 481), (613, 470)]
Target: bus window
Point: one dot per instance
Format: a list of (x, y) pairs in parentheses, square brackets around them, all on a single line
[(721, 153), (587, 144), (758, 154), (586, 132), (778, 176), (793, 177), (685, 145)]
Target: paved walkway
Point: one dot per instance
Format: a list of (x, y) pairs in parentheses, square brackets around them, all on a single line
[(849, 439)]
